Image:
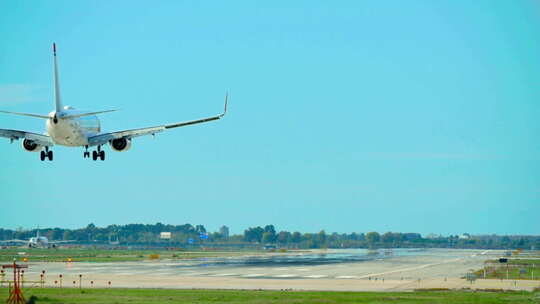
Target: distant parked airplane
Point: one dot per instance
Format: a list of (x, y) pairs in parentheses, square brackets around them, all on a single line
[(38, 242), (69, 127)]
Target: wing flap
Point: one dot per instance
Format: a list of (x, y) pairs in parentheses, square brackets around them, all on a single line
[(187, 123)]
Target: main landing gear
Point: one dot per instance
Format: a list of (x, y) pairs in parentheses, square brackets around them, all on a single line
[(86, 153), (98, 154), (46, 154)]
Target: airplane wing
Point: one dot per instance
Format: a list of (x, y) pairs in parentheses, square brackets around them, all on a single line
[(39, 139), (14, 241), (61, 242), (106, 137)]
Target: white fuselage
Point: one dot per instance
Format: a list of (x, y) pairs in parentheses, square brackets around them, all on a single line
[(72, 132), (39, 241)]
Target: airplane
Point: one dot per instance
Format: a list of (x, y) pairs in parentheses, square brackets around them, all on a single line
[(69, 127), (38, 241)]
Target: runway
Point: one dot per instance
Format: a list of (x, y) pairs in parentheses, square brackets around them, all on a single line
[(340, 269)]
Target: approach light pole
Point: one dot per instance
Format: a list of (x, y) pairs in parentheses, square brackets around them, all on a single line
[(16, 295)]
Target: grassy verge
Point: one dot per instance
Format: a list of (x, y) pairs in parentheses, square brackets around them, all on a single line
[(514, 269), (512, 273), (155, 296), (529, 262), (103, 255)]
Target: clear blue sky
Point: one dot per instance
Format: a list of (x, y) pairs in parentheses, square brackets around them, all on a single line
[(411, 116)]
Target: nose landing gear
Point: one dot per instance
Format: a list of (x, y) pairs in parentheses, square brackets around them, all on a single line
[(46, 154)]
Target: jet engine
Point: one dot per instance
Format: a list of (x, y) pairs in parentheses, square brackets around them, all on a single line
[(120, 144), (31, 146)]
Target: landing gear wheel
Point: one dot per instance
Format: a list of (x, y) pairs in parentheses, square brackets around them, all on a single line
[(94, 155), (50, 155), (86, 154), (42, 155), (102, 155)]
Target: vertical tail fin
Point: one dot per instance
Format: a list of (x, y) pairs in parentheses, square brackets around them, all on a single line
[(57, 100)]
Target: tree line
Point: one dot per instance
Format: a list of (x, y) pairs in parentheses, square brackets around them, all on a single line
[(187, 234)]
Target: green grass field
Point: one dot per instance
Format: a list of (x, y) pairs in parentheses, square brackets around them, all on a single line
[(155, 296), (103, 255), (520, 269), (523, 261)]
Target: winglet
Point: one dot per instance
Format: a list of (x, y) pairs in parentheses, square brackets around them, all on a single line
[(54, 48), (225, 108)]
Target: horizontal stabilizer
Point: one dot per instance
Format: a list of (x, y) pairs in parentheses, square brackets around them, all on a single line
[(26, 114), (87, 114)]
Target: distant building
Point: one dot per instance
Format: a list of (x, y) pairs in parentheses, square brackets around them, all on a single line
[(224, 231), (165, 235), (465, 236)]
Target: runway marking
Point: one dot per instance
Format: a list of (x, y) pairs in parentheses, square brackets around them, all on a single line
[(224, 274), (198, 273), (302, 269), (254, 275), (410, 268), (92, 271), (170, 273), (284, 276), (146, 272), (153, 274), (316, 276), (346, 277)]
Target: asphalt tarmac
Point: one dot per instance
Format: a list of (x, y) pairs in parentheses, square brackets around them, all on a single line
[(346, 263), (333, 269)]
